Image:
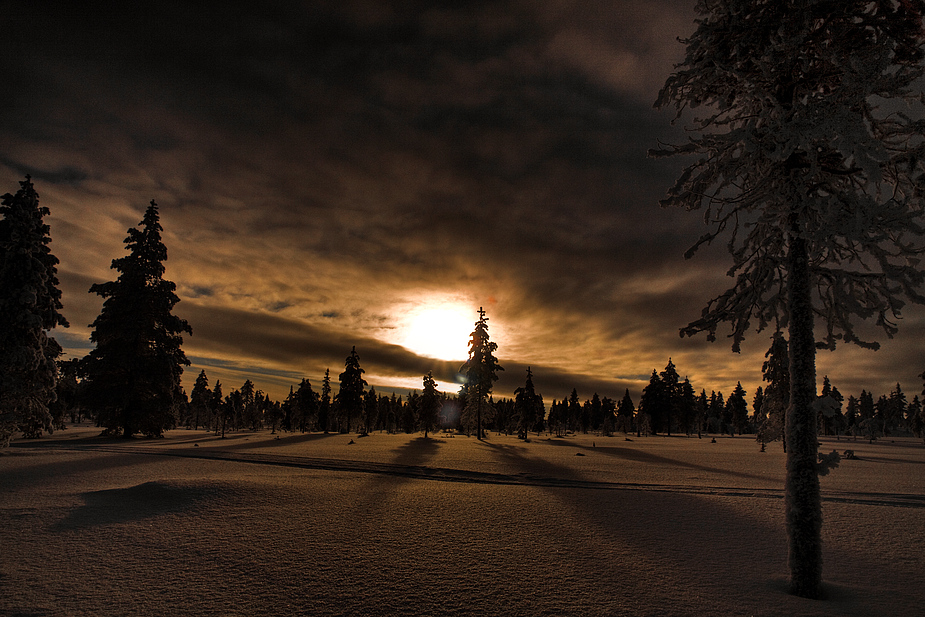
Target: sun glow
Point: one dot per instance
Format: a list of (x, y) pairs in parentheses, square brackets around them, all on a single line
[(439, 330)]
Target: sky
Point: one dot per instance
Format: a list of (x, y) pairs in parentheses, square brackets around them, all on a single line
[(340, 174)]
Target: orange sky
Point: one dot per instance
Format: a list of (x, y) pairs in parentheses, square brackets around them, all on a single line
[(325, 173)]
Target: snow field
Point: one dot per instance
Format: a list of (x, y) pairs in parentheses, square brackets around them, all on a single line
[(395, 524)]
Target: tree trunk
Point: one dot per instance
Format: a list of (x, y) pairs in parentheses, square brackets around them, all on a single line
[(803, 504)]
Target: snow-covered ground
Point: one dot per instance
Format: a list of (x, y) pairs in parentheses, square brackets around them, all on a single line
[(399, 525)]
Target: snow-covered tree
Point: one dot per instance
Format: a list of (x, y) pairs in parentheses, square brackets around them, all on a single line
[(810, 153), (30, 304), (133, 374), (481, 372)]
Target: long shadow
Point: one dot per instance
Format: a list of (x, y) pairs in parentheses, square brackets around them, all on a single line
[(417, 451), (240, 441), (669, 527), (122, 505), (641, 456)]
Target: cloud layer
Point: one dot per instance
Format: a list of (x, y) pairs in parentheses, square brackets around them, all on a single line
[(319, 165)]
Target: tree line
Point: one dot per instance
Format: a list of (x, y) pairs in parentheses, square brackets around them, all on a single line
[(130, 382)]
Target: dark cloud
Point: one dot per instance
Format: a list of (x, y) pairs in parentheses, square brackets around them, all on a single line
[(319, 164)]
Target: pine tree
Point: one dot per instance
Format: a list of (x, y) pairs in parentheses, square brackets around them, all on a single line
[(430, 404), (349, 398), (820, 187), (30, 305), (481, 371), (134, 371)]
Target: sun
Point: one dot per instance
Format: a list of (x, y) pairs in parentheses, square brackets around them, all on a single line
[(439, 331)]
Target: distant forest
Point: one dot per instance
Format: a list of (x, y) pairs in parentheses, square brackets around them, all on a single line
[(130, 382)]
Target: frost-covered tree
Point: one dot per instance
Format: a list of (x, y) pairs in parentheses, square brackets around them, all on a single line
[(30, 304), (133, 374), (481, 371), (810, 153)]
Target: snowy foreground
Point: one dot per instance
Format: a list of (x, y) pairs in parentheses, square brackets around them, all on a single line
[(399, 525)]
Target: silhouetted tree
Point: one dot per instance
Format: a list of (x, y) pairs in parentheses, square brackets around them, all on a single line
[(370, 410), (654, 404), (671, 380), (915, 417), (218, 408), (686, 406), (30, 304), (776, 371), (609, 412), (69, 390), (324, 404), (481, 371), (430, 403), (134, 372), (556, 420), (625, 413), (802, 153), (573, 412), (738, 409), (200, 400), (352, 387), (528, 407), (304, 406)]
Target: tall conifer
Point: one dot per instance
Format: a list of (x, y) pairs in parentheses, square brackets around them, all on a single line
[(30, 304), (809, 152), (133, 374)]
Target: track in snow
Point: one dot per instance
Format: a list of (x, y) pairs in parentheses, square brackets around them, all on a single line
[(421, 472)]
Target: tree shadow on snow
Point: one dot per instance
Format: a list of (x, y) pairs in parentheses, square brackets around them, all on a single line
[(417, 451), (641, 456), (124, 505)]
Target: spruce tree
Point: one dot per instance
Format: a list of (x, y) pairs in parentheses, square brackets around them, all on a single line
[(481, 371), (133, 373), (738, 410), (808, 155), (324, 403), (349, 398), (430, 404), (30, 304), (304, 406), (626, 411), (370, 410), (528, 407), (200, 400)]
